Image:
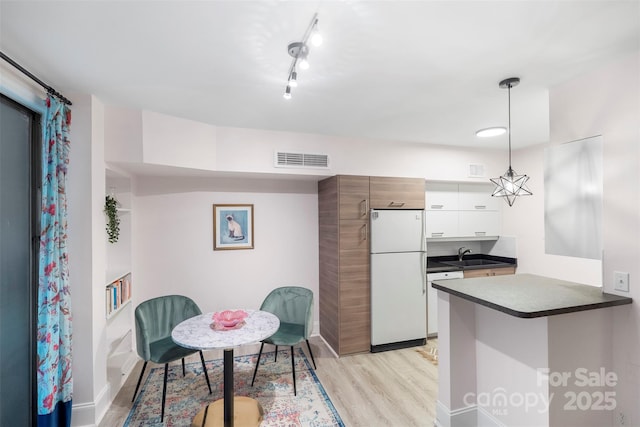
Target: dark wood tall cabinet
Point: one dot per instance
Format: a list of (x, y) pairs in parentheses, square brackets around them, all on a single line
[(345, 295), (344, 202)]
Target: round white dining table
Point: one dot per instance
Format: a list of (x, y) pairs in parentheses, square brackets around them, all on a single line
[(198, 333)]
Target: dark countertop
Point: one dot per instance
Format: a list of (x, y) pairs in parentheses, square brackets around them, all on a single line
[(529, 296), (437, 264)]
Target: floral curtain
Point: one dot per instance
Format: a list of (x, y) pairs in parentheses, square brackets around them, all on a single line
[(55, 384)]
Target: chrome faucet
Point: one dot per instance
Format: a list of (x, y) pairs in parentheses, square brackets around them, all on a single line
[(462, 253)]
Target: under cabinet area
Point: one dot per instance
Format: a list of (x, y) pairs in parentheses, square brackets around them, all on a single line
[(461, 210)]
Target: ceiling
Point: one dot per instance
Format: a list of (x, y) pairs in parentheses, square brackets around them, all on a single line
[(418, 71)]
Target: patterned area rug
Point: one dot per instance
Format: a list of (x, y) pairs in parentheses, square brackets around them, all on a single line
[(273, 388)]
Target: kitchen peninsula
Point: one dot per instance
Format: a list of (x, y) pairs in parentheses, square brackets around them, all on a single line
[(525, 350)]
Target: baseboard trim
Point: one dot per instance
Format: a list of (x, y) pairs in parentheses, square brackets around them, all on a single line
[(83, 415), (463, 417), (329, 347), (397, 345)]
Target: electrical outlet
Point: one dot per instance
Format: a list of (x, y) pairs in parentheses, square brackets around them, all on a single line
[(621, 419), (621, 281)]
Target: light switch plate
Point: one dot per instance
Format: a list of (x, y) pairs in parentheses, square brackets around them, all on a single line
[(621, 281)]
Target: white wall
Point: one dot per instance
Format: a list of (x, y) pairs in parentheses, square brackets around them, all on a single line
[(178, 142), (156, 139), (353, 156), (525, 221), (123, 134), (173, 246), (87, 259), (607, 102)]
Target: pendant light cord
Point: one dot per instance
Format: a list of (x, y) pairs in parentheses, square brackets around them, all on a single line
[(509, 103)]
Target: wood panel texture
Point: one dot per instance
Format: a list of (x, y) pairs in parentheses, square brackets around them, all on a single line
[(345, 285), (329, 304), (354, 197), (396, 193), (484, 272), (345, 298)]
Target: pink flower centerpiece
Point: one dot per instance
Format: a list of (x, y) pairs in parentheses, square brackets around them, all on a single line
[(229, 318)]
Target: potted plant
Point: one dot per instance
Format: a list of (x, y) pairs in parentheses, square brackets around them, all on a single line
[(113, 222)]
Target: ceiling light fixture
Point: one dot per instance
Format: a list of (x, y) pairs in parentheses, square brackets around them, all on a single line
[(490, 132), (510, 185), (316, 37), (293, 79), (299, 51)]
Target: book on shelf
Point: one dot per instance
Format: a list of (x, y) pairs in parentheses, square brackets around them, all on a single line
[(118, 292)]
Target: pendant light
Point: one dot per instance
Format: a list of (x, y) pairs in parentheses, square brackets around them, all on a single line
[(510, 185)]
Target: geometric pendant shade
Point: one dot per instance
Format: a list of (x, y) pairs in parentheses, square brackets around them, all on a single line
[(510, 185)]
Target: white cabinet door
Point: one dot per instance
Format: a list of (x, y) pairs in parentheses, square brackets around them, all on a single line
[(479, 223), (441, 196), (475, 197), (441, 224)]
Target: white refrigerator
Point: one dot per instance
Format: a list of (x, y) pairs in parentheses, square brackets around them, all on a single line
[(398, 279)]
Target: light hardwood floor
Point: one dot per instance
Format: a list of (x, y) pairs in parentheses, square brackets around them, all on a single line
[(392, 388)]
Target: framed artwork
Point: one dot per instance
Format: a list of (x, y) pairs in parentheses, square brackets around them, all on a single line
[(232, 227)]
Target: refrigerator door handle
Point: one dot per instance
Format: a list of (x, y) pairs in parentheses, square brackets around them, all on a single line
[(424, 233), (424, 273)]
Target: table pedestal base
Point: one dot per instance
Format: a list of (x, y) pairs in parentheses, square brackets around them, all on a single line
[(247, 412)]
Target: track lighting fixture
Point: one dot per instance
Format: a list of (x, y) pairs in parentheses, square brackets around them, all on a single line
[(299, 51)]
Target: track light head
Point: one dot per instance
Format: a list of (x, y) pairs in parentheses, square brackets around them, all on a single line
[(293, 79), (316, 37)]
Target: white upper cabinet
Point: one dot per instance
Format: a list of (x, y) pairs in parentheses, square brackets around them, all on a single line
[(473, 197), (479, 223), (442, 196), (462, 210), (441, 224)]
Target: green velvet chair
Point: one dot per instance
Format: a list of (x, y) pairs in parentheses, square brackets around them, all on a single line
[(155, 319), (294, 307)]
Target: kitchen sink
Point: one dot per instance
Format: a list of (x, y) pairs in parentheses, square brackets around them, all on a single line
[(472, 262)]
